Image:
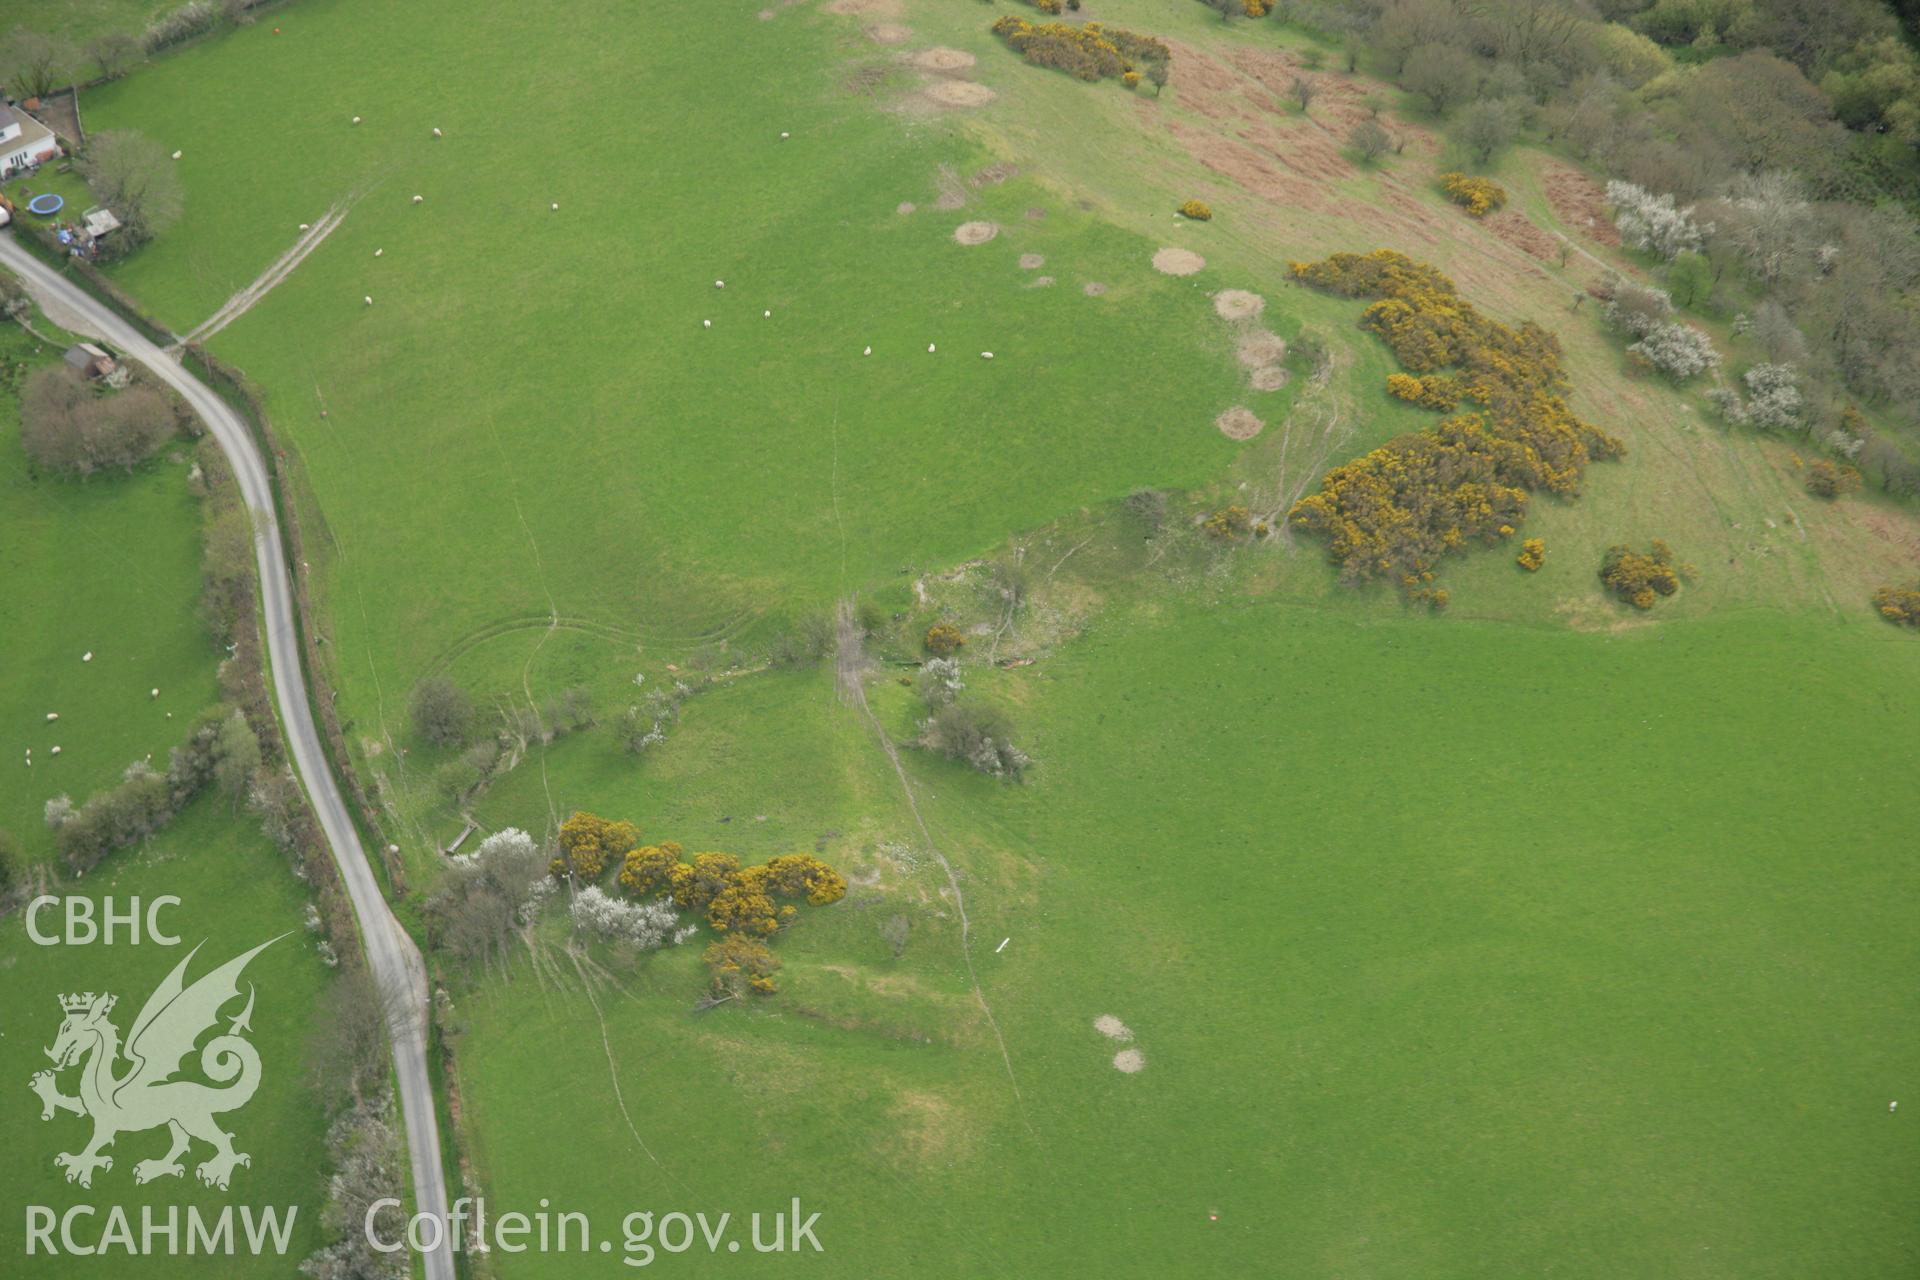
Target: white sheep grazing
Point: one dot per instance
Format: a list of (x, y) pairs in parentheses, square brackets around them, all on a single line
[(87, 656), (784, 136), (436, 132), (304, 227), (929, 348), (719, 284), (767, 314), (356, 119), (176, 155), (986, 355), (418, 199), (867, 352), (368, 299), (555, 206), (153, 693), (56, 751), (52, 716), (378, 252), (706, 324)]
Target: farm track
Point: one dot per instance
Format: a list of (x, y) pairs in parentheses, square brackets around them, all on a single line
[(277, 270), (608, 631), (397, 966)]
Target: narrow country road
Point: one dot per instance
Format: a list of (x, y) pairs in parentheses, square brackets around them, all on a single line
[(397, 967)]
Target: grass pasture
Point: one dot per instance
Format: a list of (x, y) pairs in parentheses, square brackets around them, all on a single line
[(112, 566), (236, 891), (1539, 938)]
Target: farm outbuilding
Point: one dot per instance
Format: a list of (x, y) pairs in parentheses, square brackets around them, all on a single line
[(88, 360)]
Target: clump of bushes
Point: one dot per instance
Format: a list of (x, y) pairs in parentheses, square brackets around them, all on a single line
[(1227, 524), (1198, 210), (67, 428), (1899, 605), (1533, 554), (589, 842), (943, 638), (1478, 196), (1638, 578), (1398, 510), (1089, 52), (1436, 391), (978, 735), (1827, 479), (441, 711)]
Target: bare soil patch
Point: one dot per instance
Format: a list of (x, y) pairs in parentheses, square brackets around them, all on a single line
[(1518, 230), (1238, 304), (942, 59), (1041, 282), (1261, 348), (1270, 377), (1032, 261), (889, 33), (978, 232), (1093, 288), (1580, 202), (1112, 1028), (1177, 262), (905, 207), (959, 93), (1239, 423), (1131, 1061)]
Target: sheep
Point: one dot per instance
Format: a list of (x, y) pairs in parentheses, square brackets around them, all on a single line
[(153, 693), (706, 324), (784, 136), (56, 751), (986, 355), (368, 299), (929, 348), (356, 119), (767, 314), (52, 716), (867, 352), (436, 132), (719, 284), (378, 252), (87, 656), (418, 199), (555, 206), (176, 155), (304, 227)]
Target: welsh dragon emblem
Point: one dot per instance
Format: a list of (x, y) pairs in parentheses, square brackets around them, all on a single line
[(145, 1094)]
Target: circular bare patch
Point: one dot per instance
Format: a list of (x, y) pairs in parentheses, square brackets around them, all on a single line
[(1112, 1028), (960, 93), (1262, 348), (1177, 262), (1032, 261), (942, 59), (1131, 1061), (1269, 378), (1093, 288), (889, 33), (976, 232), (905, 207), (1041, 282), (1238, 304), (1238, 423)]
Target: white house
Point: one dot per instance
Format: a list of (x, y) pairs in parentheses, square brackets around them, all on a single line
[(23, 140)]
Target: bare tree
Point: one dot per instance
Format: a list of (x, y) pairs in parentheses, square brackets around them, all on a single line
[(1368, 140), (131, 175), (33, 63), (1305, 90), (114, 53)]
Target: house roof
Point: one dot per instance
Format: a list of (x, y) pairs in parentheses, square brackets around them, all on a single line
[(32, 133), (6, 115)]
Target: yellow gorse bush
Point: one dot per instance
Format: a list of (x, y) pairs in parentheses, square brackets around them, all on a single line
[(1638, 578), (1533, 554), (1899, 605), (1397, 510), (1090, 51), (1198, 210), (1478, 196)]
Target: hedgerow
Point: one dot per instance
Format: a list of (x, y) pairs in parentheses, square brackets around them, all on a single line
[(1089, 52), (1478, 196), (1396, 511), (1641, 579)]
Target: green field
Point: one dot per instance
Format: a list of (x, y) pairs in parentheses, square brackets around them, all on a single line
[(236, 892), (109, 566), (1539, 938)]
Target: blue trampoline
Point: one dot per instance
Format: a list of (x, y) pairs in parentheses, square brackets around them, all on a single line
[(46, 205)]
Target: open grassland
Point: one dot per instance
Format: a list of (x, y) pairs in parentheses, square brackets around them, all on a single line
[(1482, 949), (236, 892), (109, 566)]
